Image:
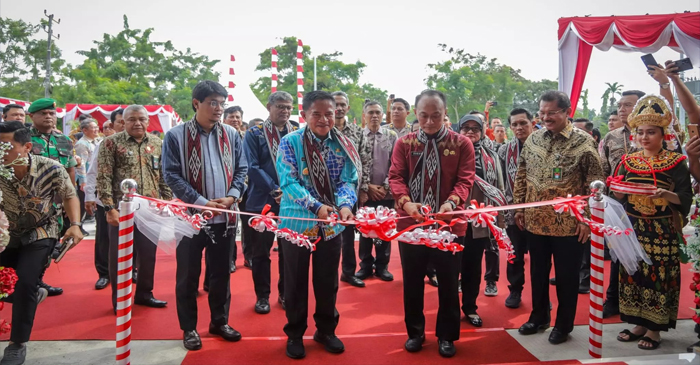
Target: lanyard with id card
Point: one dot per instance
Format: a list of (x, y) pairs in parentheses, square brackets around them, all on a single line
[(557, 171)]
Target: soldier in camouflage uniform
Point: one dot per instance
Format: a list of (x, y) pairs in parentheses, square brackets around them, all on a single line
[(48, 142)]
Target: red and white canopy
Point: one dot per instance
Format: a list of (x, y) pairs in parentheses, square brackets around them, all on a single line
[(644, 33), (60, 112), (161, 117)]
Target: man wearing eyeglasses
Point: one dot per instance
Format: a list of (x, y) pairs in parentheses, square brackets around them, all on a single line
[(260, 145), (555, 161), (204, 164), (615, 145)]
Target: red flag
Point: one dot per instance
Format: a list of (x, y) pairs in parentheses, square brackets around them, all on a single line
[(230, 71), (231, 85), (230, 98), (233, 58)]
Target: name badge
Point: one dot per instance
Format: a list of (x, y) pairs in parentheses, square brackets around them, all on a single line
[(416, 153), (556, 174), (155, 161)]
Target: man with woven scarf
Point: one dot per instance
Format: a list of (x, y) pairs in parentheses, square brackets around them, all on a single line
[(261, 145), (431, 167), (318, 169), (204, 164), (521, 124)]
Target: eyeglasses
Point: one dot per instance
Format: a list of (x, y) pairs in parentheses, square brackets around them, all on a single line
[(549, 113), (471, 129), (284, 107), (215, 103)]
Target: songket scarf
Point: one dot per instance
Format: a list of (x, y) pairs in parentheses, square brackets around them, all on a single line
[(511, 163), (272, 137), (194, 161), (488, 182), (318, 170), (424, 184)]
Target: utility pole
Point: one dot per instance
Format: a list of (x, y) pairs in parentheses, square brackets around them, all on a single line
[(47, 81)]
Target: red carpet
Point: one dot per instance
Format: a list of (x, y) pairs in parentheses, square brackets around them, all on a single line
[(82, 313)]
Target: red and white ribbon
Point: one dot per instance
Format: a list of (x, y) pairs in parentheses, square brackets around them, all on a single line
[(266, 222), (616, 184), (577, 208), (488, 219)]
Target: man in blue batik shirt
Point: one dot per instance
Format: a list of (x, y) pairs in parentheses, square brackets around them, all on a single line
[(318, 170), (261, 144)]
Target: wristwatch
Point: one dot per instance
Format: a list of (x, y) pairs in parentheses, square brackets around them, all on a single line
[(452, 204), (108, 208), (79, 224), (665, 86)]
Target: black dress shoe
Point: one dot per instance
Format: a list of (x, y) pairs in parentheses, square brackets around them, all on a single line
[(352, 280), (514, 299), (432, 280), (295, 348), (53, 290), (553, 281), (384, 274), (474, 320), (609, 309), (447, 348), (192, 341), (584, 289), (282, 302), (331, 343), (363, 274), (414, 344), (135, 276), (101, 283), (226, 332), (557, 337), (233, 267), (530, 328), (692, 347), (152, 302), (262, 306)]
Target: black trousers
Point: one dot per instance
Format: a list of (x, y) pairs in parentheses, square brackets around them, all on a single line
[(246, 230), (189, 266), (81, 198), (567, 253), (261, 243), (383, 250), (29, 262), (471, 270), (493, 265), (325, 282), (414, 261), (612, 295), (349, 263), (101, 243), (231, 237), (516, 270), (584, 272), (145, 260)]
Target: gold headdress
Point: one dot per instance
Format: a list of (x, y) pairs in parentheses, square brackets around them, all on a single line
[(651, 110)]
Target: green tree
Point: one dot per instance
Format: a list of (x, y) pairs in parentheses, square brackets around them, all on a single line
[(331, 75), (131, 68), (23, 60), (612, 90)]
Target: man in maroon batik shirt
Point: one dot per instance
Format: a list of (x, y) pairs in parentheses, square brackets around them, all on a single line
[(431, 167)]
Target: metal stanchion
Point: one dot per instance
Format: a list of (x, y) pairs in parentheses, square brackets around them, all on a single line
[(595, 336), (124, 267)]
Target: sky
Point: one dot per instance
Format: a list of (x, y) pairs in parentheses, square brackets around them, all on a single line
[(395, 39)]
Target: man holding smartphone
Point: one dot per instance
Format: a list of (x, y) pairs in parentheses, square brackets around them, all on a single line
[(28, 203), (260, 146)]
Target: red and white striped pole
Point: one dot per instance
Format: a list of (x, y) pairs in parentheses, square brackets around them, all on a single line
[(300, 77), (124, 266), (273, 77), (595, 323), (231, 84)]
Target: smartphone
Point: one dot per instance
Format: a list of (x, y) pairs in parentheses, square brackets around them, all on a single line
[(494, 103), (649, 60), (683, 65), (63, 249), (392, 97), (693, 130)]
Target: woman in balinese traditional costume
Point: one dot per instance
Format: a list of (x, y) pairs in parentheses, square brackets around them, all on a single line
[(649, 297)]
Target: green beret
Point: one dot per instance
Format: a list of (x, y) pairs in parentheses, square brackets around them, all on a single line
[(42, 104)]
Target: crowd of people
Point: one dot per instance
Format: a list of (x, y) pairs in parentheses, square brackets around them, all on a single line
[(330, 165)]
